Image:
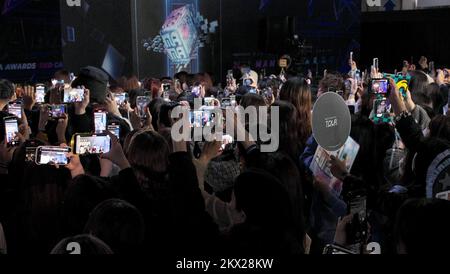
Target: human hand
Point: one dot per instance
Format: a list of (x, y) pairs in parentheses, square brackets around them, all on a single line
[(43, 117), (61, 128), (116, 154), (340, 237), (111, 105), (74, 166), (210, 151), (338, 168), (29, 97)]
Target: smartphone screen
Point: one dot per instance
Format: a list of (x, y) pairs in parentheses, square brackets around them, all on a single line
[(52, 155), (120, 98), (30, 154), (92, 144), (114, 129), (166, 87), (382, 108), (100, 121), (141, 103), (73, 95), (380, 86), (11, 128), (15, 108), (375, 63), (56, 111), (40, 94)]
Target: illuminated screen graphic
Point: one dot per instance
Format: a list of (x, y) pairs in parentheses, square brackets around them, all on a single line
[(181, 35)]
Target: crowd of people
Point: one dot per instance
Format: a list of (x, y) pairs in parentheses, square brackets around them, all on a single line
[(151, 194)]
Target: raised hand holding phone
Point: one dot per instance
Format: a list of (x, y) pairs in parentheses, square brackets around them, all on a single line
[(116, 154), (80, 107)]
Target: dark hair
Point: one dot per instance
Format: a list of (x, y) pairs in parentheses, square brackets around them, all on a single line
[(289, 142), (83, 194), (154, 108), (119, 224), (164, 113), (422, 227), (297, 91), (148, 151), (334, 81), (268, 209), (440, 127), (89, 245), (439, 101), (418, 86), (6, 89), (133, 95), (251, 99)]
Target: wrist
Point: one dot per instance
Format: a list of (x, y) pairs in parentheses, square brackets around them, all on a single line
[(79, 170), (80, 111)]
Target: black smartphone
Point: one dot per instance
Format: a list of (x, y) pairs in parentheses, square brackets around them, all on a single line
[(91, 143), (11, 128), (73, 95), (357, 230), (100, 120), (51, 155), (56, 111)]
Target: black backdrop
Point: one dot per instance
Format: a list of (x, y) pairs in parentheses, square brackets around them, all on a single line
[(400, 35)]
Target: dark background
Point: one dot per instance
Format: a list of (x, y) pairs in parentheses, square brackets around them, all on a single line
[(399, 35)]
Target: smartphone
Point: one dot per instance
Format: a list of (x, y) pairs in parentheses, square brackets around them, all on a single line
[(225, 102), (30, 154), (50, 155), (73, 95), (375, 64), (357, 230), (348, 85), (114, 129), (351, 56), (196, 90), (380, 86), (431, 66), (100, 120), (15, 108), (209, 101), (121, 98), (91, 143), (226, 139), (381, 108), (56, 111), (141, 103), (230, 74), (11, 128), (40, 93)]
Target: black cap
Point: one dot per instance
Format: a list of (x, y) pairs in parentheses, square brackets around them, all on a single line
[(94, 79)]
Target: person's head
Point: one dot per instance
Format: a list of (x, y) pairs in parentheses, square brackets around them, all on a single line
[(148, 152), (332, 82), (155, 108), (85, 244), (440, 127), (422, 227), (7, 91), (418, 87), (252, 99), (131, 83), (164, 118), (438, 101), (288, 120), (297, 91), (94, 79), (119, 224), (62, 75), (267, 206), (81, 198)]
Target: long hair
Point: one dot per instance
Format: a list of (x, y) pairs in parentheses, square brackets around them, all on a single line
[(290, 142), (297, 91)]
